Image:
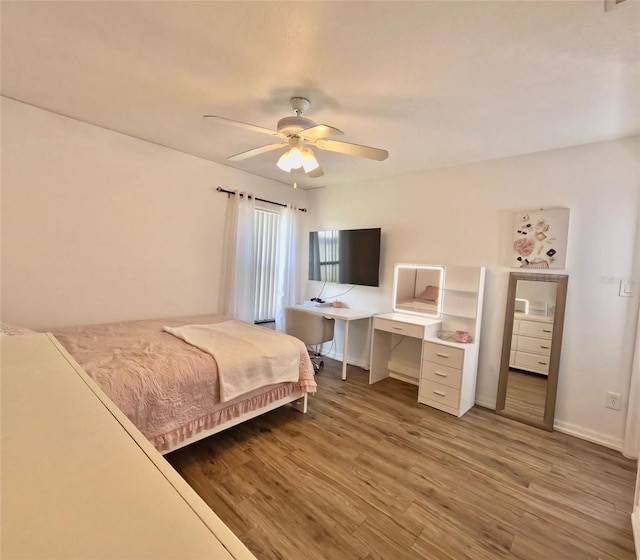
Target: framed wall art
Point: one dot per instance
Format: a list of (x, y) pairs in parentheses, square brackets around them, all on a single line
[(539, 238)]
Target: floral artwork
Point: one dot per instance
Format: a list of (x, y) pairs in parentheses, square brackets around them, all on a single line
[(540, 238), (524, 247)]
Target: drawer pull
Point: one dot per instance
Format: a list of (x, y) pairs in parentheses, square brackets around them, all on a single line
[(442, 355), (544, 347), (545, 330), (440, 374), (439, 393), (397, 328), (543, 363)]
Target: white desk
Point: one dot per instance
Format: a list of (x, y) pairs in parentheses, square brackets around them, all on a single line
[(341, 314)]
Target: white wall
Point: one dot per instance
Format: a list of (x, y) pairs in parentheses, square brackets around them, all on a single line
[(98, 226), (462, 215)]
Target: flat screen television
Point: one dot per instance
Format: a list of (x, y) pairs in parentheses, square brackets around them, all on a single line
[(346, 256)]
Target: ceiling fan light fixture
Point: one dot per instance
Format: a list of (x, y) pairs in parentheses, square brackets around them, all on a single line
[(309, 162), (284, 163), (295, 157), (291, 159)]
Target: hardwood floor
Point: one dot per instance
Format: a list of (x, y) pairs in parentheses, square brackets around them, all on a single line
[(370, 474)]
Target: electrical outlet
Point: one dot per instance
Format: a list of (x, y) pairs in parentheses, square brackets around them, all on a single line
[(614, 400)]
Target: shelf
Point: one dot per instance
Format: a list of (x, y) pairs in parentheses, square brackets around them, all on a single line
[(461, 345), (463, 304), (460, 315), (462, 278), (471, 292)]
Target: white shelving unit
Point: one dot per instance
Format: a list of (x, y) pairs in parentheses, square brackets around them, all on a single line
[(407, 347), (449, 369)]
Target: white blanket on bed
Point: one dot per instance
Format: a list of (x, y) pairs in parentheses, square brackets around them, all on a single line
[(248, 357)]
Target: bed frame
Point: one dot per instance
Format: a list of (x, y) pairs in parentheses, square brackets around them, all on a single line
[(298, 400)]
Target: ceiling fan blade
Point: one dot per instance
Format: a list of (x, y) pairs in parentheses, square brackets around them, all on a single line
[(319, 131), (255, 152), (241, 124), (352, 149), (317, 172)]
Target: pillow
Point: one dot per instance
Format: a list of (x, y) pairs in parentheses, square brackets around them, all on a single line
[(430, 294)]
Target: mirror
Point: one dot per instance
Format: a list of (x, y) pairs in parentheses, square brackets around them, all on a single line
[(531, 348), (417, 289)]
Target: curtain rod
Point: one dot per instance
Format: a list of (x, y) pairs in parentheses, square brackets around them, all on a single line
[(220, 189)]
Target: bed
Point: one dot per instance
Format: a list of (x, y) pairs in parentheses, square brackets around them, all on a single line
[(170, 389)]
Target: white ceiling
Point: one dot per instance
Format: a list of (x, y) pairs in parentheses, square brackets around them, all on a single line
[(434, 83)]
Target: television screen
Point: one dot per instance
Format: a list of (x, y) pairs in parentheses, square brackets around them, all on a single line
[(348, 256)]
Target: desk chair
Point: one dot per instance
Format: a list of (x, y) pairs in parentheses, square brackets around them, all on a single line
[(312, 328)]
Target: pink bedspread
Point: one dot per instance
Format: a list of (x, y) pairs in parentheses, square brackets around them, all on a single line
[(166, 387)]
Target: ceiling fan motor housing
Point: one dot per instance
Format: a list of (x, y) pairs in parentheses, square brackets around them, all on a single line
[(293, 125), (299, 104)]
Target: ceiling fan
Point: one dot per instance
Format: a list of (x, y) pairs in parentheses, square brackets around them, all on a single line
[(298, 134)]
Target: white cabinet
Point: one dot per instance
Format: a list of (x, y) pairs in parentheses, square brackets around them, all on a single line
[(407, 347), (448, 376), (80, 481), (531, 343), (441, 376)]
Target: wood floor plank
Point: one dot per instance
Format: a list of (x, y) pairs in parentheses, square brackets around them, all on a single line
[(386, 538), (303, 529), (371, 474), (328, 501)]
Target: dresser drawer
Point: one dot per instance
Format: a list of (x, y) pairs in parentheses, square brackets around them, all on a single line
[(536, 329), (439, 393), (452, 377), (398, 327), (532, 362), (441, 354), (534, 345)]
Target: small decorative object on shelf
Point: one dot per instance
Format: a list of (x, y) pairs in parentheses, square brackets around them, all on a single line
[(455, 336)]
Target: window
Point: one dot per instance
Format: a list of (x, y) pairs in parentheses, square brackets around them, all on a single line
[(267, 231), (329, 251)]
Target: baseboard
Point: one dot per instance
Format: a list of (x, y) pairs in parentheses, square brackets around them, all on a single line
[(569, 429), (404, 378), (338, 357), (588, 435), (486, 403), (635, 523)]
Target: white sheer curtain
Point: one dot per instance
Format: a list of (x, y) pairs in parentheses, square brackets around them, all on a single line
[(239, 281), (287, 273), (631, 445)]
